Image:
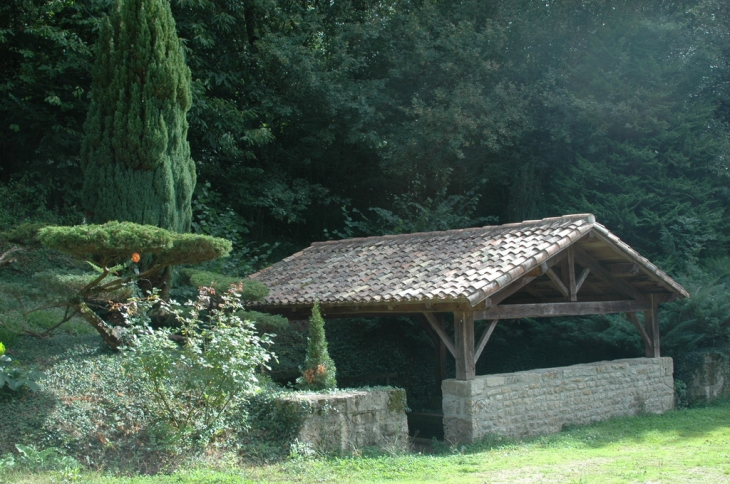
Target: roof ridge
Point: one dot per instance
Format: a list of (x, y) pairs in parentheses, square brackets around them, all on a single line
[(590, 218)]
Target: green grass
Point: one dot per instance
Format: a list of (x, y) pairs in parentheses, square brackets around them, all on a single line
[(682, 446)]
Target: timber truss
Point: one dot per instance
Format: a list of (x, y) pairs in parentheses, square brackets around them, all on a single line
[(589, 272), (566, 280)]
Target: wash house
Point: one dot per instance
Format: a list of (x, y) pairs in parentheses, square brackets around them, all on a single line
[(562, 266)]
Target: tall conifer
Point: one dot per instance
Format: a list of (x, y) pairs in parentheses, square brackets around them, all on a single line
[(135, 156), (319, 369)]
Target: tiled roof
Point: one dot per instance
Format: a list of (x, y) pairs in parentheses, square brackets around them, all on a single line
[(454, 265)]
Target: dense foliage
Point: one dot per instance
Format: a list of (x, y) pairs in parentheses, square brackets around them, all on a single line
[(135, 154), (404, 111), (314, 119)]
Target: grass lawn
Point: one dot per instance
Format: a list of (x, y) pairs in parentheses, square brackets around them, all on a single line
[(683, 446)]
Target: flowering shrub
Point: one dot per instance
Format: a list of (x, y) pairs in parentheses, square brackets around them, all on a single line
[(198, 374)]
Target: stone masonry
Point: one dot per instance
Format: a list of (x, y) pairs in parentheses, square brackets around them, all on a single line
[(542, 401), (351, 419), (709, 380)]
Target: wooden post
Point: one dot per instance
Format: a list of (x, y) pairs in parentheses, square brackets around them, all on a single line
[(441, 364), (572, 286), (651, 322), (464, 336)]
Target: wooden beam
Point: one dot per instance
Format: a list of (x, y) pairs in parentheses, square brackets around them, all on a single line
[(439, 331), (378, 310), (464, 344), (623, 269), (511, 289), (625, 288), (581, 279), (572, 284), (554, 300), (520, 283), (441, 366), (431, 333), (396, 307), (557, 282), (655, 310), (635, 321), (517, 311), (484, 339)]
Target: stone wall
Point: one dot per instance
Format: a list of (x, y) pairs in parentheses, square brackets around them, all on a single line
[(543, 401), (708, 381), (351, 419)]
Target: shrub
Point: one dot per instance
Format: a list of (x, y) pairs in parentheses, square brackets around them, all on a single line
[(250, 290), (319, 369), (13, 376), (50, 459), (113, 250), (194, 379)]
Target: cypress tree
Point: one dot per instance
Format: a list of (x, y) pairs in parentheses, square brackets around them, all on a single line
[(319, 369), (135, 155)]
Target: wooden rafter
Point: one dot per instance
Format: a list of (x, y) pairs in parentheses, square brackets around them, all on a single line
[(644, 336), (511, 289), (441, 333), (622, 286), (623, 269), (557, 282), (522, 282), (581, 279), (484, 339)]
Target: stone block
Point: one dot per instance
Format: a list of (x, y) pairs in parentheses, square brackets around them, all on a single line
[(493, 381), (346, 420), (458, 388)]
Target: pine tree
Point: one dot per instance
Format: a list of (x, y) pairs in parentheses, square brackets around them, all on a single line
[(135, 155), (319, 369)]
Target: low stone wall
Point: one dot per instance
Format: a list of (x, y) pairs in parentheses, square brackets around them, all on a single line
[(352, 419), (706, 374), (543, 401)]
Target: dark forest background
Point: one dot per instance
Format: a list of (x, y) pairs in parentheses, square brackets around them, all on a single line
[(326, 119)]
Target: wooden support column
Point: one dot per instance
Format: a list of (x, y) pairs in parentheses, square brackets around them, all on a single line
[(572, 284), (484, 339), (644, 336), (438, 327), (441, 374), (464, 345), (651, 322)]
